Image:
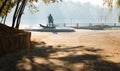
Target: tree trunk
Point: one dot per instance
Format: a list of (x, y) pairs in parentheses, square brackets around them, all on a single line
[(15, 14), (2, 19), (21, 10)]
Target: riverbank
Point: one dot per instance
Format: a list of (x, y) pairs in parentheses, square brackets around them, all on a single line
[(83, 50)]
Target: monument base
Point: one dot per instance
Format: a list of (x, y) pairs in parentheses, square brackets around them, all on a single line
[(58, 29)]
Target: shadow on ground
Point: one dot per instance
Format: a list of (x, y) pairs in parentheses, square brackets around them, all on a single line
[(42, 57)]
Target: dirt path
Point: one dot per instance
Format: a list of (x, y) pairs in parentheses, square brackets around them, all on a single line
[(83, 50)]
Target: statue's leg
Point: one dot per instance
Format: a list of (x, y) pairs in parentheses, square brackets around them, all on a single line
[(52, 24), (49, 24)]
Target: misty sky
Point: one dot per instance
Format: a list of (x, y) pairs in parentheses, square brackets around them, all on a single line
[(75, 11)]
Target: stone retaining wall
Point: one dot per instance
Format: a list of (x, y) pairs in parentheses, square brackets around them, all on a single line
[(14, 43)]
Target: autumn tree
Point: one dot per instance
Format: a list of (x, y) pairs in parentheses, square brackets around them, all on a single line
[(110, 4), (5, 7)]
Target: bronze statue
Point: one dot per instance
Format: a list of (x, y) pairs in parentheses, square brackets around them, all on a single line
[(50, 21)]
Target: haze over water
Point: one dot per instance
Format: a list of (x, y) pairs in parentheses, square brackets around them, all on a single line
[(83, 12)]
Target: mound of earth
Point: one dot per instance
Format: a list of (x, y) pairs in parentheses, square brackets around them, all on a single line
[(6, 30)]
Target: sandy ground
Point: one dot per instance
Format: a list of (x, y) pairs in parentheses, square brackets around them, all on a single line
[(83, 50), (107, 40)]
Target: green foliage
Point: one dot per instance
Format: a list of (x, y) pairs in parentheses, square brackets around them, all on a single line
[(106, 26), (110, 4), (99, 27), (118, 3), (9, 5), (49, 1), (96, 27), (32, 6)]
